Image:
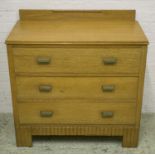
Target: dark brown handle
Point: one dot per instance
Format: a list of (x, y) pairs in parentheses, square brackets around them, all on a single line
[(45, 88), (43, 60), (46, 113), (108, 88), (107, 114), (110, 61)]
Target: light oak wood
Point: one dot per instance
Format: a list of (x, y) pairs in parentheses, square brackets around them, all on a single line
[(77, 32), (24, 136), (65, 28), (77, 43), (130, 137), (76, 14), (76, 113), (80, 129), (141, 85), (71, 60), (76, 88)]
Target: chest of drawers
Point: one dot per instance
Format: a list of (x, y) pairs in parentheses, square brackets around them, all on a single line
[(77, 73)]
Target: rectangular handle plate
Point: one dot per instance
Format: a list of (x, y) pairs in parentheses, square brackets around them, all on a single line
[(107, 114), (46, 113), (109, 61), (45, 88), (43, 60), (108, 88)]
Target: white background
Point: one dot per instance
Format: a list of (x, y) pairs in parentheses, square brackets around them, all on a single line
[(145, 10)]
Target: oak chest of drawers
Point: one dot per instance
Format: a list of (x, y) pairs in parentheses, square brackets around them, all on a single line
[(77, 73)]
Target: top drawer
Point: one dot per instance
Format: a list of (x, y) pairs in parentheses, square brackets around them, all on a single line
[(77, 60)]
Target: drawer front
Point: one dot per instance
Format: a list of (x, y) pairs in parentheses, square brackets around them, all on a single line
[(76, 113), (77, 60), (45, 88)]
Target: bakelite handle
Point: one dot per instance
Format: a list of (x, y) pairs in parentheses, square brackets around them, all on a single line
[(107, 114), (110, 61), (45, 88), (46, 113), (108, 88), (43, 60)]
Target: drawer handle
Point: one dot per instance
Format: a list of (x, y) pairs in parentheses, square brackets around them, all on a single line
[(43, 60), (108, 88), (110, 61), (46, 113), (45, 88), (107, 114)]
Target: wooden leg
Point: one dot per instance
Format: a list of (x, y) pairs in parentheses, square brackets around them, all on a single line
[(23, 136), (130, 137)]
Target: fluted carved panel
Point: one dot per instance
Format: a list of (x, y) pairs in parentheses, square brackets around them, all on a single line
[(79, 130)]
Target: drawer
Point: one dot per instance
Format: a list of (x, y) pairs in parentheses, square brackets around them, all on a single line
[(77, 60), (46, 88), (77, 113)]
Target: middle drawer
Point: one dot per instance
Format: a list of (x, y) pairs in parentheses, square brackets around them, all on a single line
[(42, 88)]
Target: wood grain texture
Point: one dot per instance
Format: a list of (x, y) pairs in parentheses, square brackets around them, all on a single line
[(76, 88), (71, 60), (83, 130), (141, 85), (71, 30), (13, 83), (77, 32), (130, 137), (23, 136), (77, 113), (77, 14)]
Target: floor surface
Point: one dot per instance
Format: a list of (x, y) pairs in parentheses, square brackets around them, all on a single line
[(77, 144)]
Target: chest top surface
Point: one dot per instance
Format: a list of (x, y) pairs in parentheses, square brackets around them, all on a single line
[(69, 27)]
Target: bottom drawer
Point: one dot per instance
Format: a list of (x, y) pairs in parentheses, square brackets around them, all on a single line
[(77, 113)]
